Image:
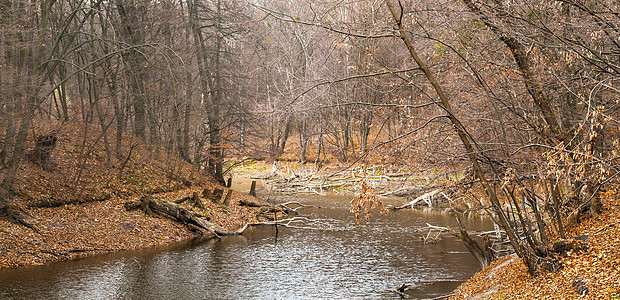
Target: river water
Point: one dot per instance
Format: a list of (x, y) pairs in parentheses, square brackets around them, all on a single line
[(343, 261)]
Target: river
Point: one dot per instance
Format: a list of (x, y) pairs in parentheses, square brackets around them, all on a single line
[(344, 261)]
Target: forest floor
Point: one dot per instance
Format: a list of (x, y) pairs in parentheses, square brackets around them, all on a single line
[(78, 204), (589, 273)]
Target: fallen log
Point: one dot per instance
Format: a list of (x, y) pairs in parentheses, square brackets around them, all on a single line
[(429, 199), (270, 212), (410, 191), (182, 200), (250, 203), (154, 206), (293, 211), (484, 255), (429, 238), (285, 207)]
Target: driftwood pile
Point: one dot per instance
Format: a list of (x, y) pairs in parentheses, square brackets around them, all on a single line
[(386, 182)]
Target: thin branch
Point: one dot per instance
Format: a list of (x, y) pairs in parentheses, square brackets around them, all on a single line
[(283, 17)]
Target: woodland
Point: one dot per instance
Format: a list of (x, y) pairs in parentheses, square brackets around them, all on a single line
[(517, 99)]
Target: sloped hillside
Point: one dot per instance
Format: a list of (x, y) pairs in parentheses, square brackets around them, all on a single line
[(78, 202), (590, 271)]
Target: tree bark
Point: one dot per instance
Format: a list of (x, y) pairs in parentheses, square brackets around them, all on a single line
[(130, 12)]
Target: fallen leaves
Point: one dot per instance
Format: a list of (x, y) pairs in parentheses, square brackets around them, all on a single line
[(590, 274), (80, 205)]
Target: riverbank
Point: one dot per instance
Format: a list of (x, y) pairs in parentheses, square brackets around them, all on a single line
[(78, 204), (292, 177), (590, 273), (79, 230), (338, 259)]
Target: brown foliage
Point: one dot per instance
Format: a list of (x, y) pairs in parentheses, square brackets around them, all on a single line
[(366, 202)]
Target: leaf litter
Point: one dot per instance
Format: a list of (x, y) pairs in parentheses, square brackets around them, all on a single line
[(79, 203), (593, 273)]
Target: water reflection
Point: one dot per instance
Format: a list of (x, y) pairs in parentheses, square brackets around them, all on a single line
[(358, 262)]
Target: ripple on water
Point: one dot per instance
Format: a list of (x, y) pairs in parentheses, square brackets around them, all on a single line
[(353, 261)]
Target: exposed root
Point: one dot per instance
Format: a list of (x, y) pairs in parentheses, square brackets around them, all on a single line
[(14, 213)]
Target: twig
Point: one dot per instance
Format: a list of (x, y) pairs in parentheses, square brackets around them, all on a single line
[(606, 226), (443, 297), (394, 191)]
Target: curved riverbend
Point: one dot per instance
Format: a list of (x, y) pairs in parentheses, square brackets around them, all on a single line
[(348, 261)]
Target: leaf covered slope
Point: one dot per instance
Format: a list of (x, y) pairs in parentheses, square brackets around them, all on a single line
[(589, 273), (80, 210)]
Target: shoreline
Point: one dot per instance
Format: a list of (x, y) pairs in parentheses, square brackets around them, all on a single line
[(77, 231)]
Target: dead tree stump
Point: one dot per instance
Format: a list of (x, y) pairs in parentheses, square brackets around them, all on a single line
[(253, 188), (42, 151), (228, 197), (196, 201), (250, 203), (217, 195)]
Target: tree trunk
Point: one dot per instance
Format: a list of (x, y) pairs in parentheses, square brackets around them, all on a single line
[(152, 205), (484, 256), (304, 139), (215, 121), (130, 13), (319, 146), (285, 134), (523, 63), (469, 148), (365, 130)]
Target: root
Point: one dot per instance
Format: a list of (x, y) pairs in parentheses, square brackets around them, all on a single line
[(15, 214)]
